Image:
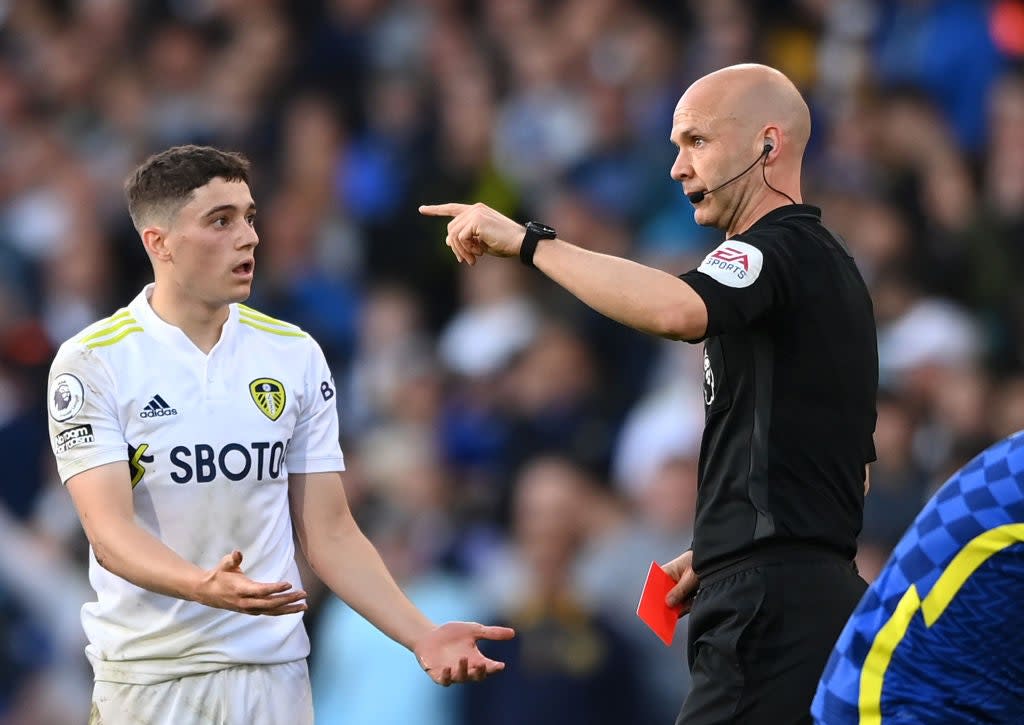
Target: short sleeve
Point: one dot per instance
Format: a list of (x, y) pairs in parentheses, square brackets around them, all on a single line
[(741, 281), (85, 431), (314, 447)]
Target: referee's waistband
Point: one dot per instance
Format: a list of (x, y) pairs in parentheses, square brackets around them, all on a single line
[(773, 551)]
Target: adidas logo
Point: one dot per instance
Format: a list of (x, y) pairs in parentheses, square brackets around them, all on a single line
[(157, 407)]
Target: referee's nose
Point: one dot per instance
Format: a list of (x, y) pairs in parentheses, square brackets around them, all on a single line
[(681, 168)]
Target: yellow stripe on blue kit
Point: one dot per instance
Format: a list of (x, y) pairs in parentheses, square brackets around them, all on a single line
[(877, 662), (977, 551)]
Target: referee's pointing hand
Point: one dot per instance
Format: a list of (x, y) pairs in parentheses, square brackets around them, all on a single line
[(477, 229)]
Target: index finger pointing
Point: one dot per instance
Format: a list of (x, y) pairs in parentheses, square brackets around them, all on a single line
[(451, 209)]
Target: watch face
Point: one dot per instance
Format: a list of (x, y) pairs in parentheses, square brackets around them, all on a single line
[(542, 229)]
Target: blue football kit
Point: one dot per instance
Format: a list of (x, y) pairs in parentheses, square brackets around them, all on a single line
[(939, 636)]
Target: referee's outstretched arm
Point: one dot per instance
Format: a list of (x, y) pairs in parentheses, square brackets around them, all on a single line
[(638, 296)]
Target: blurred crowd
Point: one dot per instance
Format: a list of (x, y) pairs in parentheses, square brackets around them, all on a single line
[(515, 457)]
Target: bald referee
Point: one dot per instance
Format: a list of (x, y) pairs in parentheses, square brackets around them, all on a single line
[(790, 378)]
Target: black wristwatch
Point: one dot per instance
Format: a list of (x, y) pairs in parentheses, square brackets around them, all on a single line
[(535, 231)]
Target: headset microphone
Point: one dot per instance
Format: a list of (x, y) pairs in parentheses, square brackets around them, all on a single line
[(698, 196)]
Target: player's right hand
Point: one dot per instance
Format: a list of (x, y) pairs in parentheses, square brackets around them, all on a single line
[(226, 587), (681, 569)]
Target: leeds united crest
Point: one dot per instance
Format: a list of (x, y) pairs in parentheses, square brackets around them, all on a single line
[(269, 396)]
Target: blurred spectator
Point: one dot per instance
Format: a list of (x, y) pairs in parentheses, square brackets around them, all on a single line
[(619, 353), (358, 674), (544, 126), (898, 482), (655, 525), (555, 404), (618, 175), (665, 424), (998, 226), (392, 357), (945, 48), (497, 321), (1007, 406), (918, 335), (566, 664), (879, 234), (315, 262), (727, 36)]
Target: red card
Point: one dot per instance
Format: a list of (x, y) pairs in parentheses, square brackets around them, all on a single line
[(652, 608)]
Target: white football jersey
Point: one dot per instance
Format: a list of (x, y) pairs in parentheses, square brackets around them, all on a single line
[(209, 441)]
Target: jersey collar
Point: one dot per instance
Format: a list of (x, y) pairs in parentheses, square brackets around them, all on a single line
[(170, 334), (785, 212)]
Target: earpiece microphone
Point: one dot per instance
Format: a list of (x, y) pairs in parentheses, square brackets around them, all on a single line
[(698, 196)]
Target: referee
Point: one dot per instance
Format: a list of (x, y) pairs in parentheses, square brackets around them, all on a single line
[(790, 378)]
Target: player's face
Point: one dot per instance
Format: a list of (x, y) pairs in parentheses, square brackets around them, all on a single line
[(212, 240)]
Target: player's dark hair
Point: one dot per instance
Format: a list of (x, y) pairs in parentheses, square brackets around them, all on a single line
[(165, 181)]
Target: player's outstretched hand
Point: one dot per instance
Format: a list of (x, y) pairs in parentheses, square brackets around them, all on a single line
[(476, 229), (226, 587), (449, 653), (681, 569)]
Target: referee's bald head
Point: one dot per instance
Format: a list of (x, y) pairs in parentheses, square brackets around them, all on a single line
[(755, 96)]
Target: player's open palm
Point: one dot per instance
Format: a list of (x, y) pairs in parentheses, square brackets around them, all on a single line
[(227, 587), (449, 653)]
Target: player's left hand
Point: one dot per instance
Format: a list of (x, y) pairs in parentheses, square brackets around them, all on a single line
[(476, 229), (450, 656)]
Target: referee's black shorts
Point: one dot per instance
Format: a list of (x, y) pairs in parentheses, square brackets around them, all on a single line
[(760, 633)]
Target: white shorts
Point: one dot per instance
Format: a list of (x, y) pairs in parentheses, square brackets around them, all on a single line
[(242, 695)]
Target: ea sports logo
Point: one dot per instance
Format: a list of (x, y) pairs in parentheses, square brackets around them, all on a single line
[(734, 264), (729, 255)]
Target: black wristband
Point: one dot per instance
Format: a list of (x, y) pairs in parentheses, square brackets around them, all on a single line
[(535, 231)]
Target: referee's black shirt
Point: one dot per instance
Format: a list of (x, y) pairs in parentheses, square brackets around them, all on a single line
[(790, 379)]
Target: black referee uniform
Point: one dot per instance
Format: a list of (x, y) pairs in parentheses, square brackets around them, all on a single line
[(790, 379)]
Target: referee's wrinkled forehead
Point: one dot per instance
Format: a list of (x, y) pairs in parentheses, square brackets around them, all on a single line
[(165, 181)]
